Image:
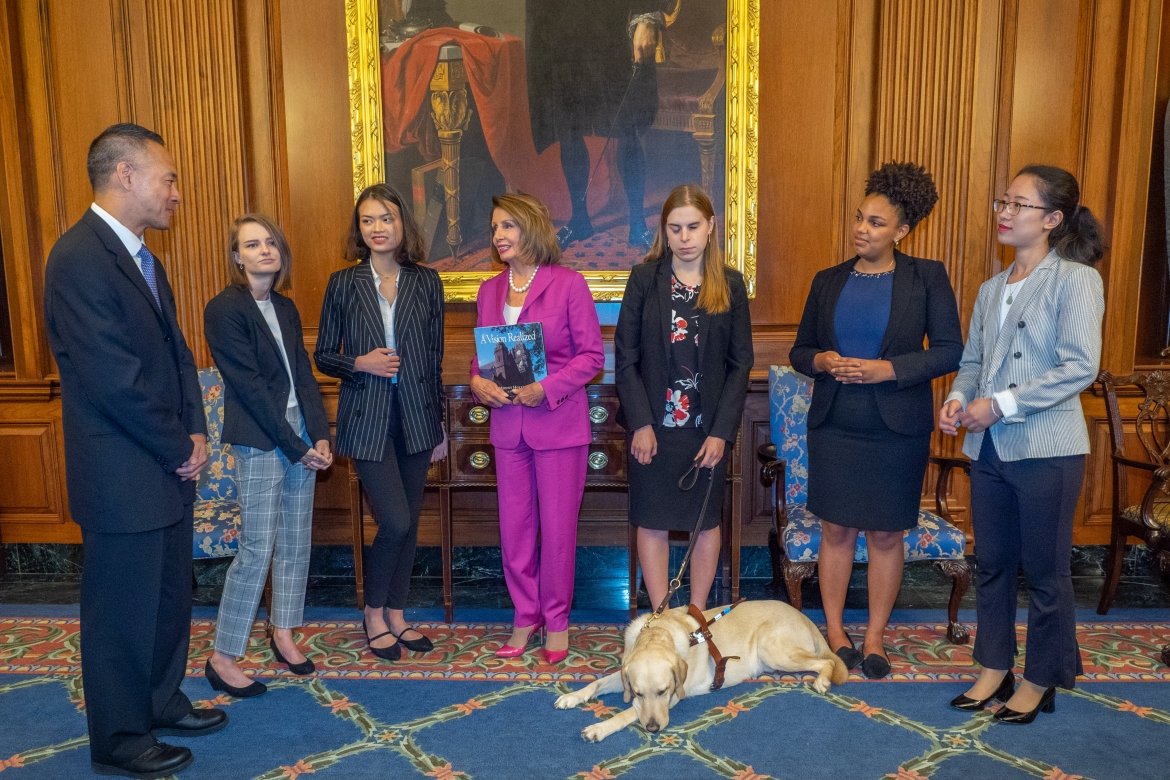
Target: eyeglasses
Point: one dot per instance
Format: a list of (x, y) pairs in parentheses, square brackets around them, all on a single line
[(1011, 207)]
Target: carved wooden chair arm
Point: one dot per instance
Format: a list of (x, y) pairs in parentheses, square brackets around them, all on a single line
[(945, 466)]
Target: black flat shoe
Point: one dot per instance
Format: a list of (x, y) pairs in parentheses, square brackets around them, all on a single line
[(1007, 687), (849, 655), (195, 723), (1047, 703), (304, 667), (158, 760), (254, 689), (421, 645), (391, 653), (875, 667)]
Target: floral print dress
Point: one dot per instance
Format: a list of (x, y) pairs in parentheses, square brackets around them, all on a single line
[(683, 408)]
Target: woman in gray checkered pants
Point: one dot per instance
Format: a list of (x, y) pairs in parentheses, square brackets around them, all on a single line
[(275, 421)]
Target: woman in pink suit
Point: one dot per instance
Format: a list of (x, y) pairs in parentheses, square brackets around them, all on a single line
[(540, 432)]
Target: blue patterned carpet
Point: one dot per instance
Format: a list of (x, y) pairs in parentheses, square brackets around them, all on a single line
[(460, 713)]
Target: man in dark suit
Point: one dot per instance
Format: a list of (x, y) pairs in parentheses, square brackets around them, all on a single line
[(134, 446)]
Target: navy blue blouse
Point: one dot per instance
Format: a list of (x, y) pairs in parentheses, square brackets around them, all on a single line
[(863, 312)]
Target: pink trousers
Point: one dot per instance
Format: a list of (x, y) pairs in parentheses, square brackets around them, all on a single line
[(540, 499)]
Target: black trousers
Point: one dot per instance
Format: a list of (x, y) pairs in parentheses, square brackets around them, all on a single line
[(1022, 513), (394, 486), (135, 628)]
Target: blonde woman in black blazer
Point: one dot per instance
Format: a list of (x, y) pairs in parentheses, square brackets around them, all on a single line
[(682, 354), (861, 340), (381, 334), (275, 421)]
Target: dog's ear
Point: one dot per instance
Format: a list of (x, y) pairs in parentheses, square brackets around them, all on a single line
[(680, 678), (626, 693)]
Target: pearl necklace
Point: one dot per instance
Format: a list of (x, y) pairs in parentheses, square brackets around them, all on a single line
[(527, 284)]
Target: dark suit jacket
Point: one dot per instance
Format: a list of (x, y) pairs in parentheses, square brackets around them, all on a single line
[(129, 392), (923, 306), (256, 384), (642, 353), (351, 326)]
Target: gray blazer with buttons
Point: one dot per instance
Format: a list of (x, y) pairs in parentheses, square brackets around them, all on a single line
[(1047, 351)]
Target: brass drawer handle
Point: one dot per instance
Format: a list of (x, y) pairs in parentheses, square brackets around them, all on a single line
[(598, 460), (478, 414), (480, 460), (598, 414)]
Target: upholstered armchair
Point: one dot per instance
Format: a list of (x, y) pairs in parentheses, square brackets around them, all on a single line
[(1140, 461), (796, 546), (217, 506)]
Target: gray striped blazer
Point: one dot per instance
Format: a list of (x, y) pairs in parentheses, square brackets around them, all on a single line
[(1046, 353), (351, 326)]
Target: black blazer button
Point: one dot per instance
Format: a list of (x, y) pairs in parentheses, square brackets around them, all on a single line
[(166, 338), (1020, 324), (357, 412), (1017, 355), (1012, 386)]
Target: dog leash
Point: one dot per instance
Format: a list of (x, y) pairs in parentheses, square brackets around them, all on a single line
[(703, 636), (686, 482)]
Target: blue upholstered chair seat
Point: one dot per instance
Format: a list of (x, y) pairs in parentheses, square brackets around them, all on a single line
[(217, 528), (784, 466), (933, 539)]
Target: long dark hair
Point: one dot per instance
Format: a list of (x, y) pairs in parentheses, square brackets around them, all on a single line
[(1078, 236), (714, 295), (413, 248)]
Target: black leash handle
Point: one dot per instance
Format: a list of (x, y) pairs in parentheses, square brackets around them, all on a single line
[(687, 481)]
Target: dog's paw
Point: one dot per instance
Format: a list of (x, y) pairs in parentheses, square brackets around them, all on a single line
[(822, 684), (568, 701), (595, 733)]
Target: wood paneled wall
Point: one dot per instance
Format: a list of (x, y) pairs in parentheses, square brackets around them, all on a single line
[(252, 99)]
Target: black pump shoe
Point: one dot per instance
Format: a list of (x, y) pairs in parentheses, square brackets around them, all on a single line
[(1047, 704), (254, 689), (420, 645), (1007, 686), (304, 667), (849, 655), (391, 653)]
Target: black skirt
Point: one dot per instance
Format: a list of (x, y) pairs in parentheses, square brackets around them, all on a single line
[(657, 502), (860, 473)]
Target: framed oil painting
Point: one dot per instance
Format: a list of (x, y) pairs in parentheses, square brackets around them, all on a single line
[(596, 108)]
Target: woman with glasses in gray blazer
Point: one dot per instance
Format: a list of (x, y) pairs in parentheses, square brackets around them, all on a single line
[(1033, 345)]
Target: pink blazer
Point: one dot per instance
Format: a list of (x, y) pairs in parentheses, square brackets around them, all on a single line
[(560, 300)]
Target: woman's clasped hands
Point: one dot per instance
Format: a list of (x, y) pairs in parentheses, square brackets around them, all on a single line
[(491, 394), (979, 415), (854, 371)]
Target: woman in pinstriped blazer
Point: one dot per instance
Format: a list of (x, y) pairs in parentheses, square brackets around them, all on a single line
[(1033, 345), (381, 334)]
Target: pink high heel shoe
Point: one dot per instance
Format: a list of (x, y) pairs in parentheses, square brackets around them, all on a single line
[(510, 651), (554, 657)]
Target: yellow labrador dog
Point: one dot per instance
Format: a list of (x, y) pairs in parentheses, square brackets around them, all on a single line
[(660, 666)]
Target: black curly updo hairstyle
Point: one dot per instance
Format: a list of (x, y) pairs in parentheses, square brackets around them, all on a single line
[(908, 187)]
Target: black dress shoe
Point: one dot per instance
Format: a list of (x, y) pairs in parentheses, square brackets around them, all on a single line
[(849, 655), (158, 760), (391, 653), (195, 723), (421, 645), (875, 667), (304, 667), (1047, 703), (216, 682), (1007, 686)]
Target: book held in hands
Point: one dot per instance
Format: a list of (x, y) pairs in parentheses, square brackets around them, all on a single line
[(512, 356)]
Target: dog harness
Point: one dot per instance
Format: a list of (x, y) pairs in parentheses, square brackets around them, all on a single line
[(703, 636)]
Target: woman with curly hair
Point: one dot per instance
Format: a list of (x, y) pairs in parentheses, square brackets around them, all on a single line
[(861, 340)]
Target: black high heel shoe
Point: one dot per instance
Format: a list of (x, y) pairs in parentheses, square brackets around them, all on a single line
[(875, 667), (391, 653), (420, 645), (1047, 704), (304, 667), (217, 683), (1007, 687)]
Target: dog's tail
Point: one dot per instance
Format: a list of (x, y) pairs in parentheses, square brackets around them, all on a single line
[(840, 673)]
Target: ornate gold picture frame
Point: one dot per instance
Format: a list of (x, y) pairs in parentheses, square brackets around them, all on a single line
[(720, 136)]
